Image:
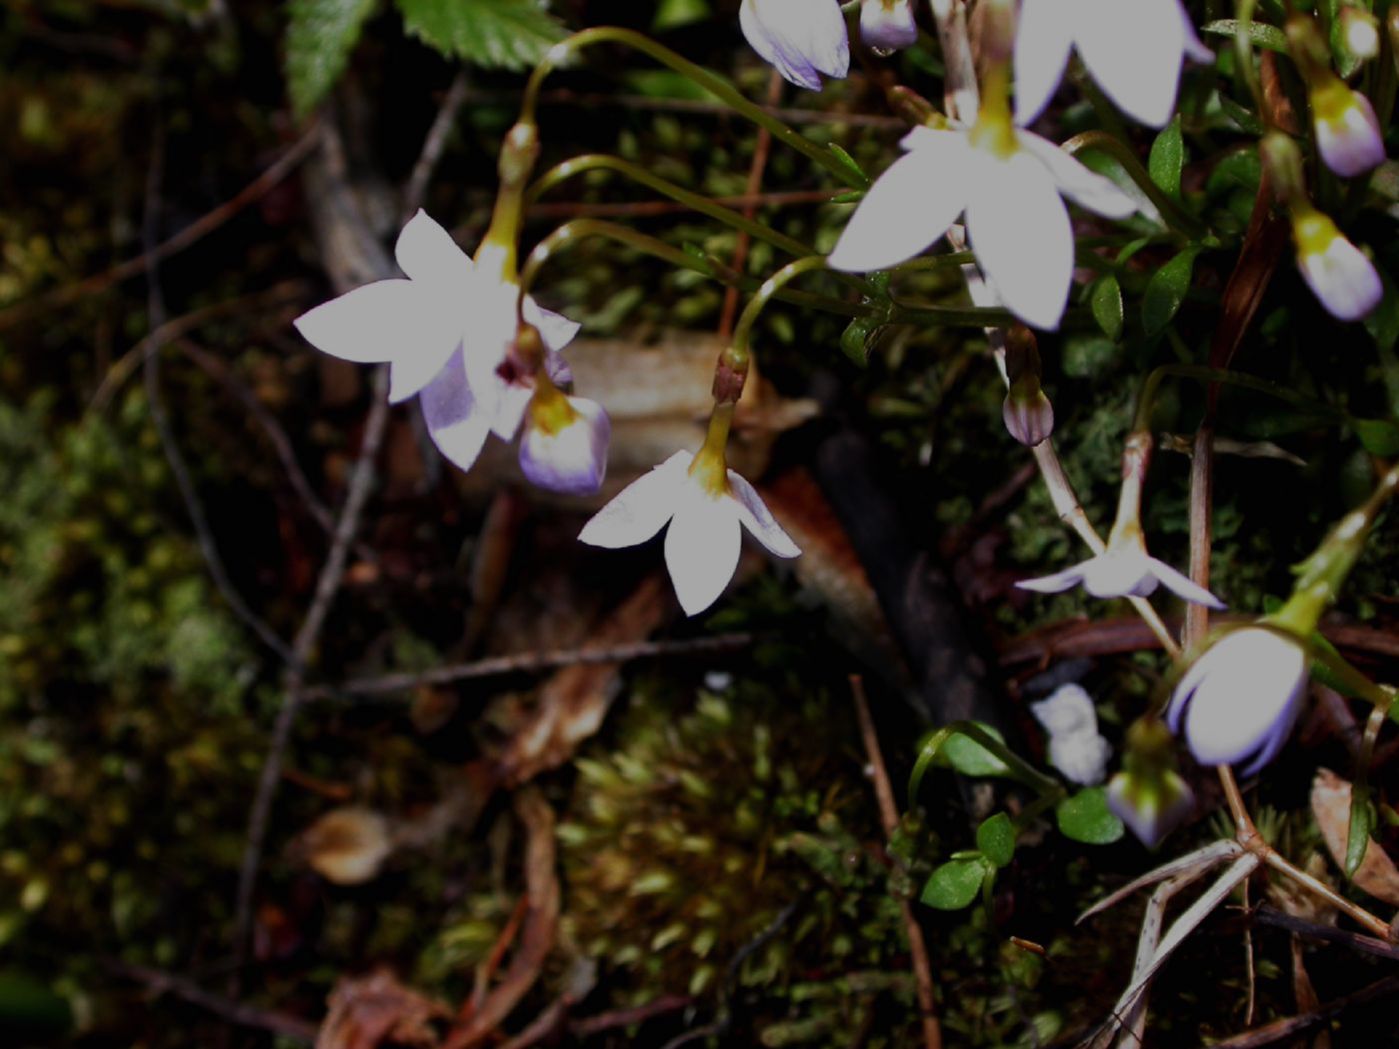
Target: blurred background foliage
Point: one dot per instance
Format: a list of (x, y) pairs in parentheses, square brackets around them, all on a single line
[(135, 705)]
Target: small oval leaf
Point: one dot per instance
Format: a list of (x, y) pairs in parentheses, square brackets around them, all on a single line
[(955, 884), (1167, 158), (1166, 291), (996, 839), (1106, 301), (1086, 817)]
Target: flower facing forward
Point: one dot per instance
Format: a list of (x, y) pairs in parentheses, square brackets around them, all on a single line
[(802, 39), (1132, 48), (1240, 699), (887, 25), (1336, 270), (445, 332), (705, 504), (564, 444), (1124, 569), (1009, 184)]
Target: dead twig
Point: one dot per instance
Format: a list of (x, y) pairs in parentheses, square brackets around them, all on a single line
[(1269, 915), (638, 1014), (159, 983), (1281, 1030), (889, 817), (434, 143), (530, 662)]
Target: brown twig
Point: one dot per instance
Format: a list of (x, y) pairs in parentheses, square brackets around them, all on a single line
[(528, 662), (1380, 948), (284, 1025), (199, 228), (415, 191), (761, 148), (1282, 1030), (889, 817), (637, 1014)]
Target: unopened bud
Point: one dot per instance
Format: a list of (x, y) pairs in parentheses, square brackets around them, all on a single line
[(518, 153), (1283, 162), (729, 376), (912, 107), (1360, 32), (1027, 412)]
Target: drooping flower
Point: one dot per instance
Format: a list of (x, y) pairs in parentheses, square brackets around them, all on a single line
[(1348, 133), (1339, 274), (1240, 699), (1124, 569), (1148, 795), (1009, 184), (887, 26), (1026, 411), (705, 504), (1076, 748), (446, 332), (1132, 48), (564, 445), (801, 38)]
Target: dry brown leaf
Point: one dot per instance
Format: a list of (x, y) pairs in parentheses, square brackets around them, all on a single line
[(1377, 874), (377, 1010)]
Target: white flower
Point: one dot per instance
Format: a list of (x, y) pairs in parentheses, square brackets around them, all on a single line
[(801, 38), (1124, 569), (1152, 806), (1360, 32), (1075, 746), (705, 505), (1016, 222), (564, 446), (1336, 270), (1348, 134), (445, 331), (887, 25), (1241, 698), (1132, 48)]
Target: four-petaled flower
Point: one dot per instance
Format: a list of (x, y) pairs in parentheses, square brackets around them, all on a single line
[(1124, 569), (1240, 699), (1132, 48), (1009, 186), (706, 504), (801, 38), (446, 332)]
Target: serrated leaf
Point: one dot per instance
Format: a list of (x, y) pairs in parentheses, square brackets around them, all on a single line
[(320, 36), (1166, 291), (1106, 301), (1259, 33), (955, 884), (1167, 158), (996, 839), (504, 34), (1086, 817)]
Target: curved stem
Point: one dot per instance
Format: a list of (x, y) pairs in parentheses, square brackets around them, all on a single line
[(579, 229), (1243, 51), (770, 287), (715, 85), (1174, 215)]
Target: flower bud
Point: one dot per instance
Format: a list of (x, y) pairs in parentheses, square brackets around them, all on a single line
[(564, 446), (1241, 698), (1347, 131), (887, 26), (1148, 795), (1360, 32), (1027, 412), (1339, 274)]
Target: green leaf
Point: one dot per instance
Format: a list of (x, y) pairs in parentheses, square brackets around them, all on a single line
[(956, 883), (1166, 291), (1362, 825), (1106, 300), (1086, 817), (672, 14), (1246, 118), (847, 161), (1379, 436), (1167, 158), (1261, 34), (996, 839), (970, 758), (320, 36), (505, 34)]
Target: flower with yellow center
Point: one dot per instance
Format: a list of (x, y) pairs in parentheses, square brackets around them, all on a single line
[(1335, 269)]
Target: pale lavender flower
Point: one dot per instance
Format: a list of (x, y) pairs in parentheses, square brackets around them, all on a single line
[(1348, 134), (801, 38), (1132, 48), (1124, 569), (706, 505), (887, 26), (1240, 700), (1016, 221), (1150, 806), (1340, 275), (564, 444)]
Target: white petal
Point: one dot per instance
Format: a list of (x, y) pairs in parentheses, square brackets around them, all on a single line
[(453, 421), (1019, 229), (1068, 711), (1343, 279), (1133, 49), (572, 460), (888, 28), (910, 205), (1195, 48), (1124, 572), (1249, 694), (1057, 582), (556, 329), (365, 325), (641, 509), (1075, 181), (701, 547), (758, 519), (826, 41), (1350, 142), (1043, 37), (1183, 586), (426, 252), (774, 30)]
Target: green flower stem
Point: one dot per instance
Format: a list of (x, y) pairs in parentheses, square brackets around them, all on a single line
[(579, 229), (1174, 215), (1337, 672), (770, 287), (1200, 373), (1243, 51), (717, 86)]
